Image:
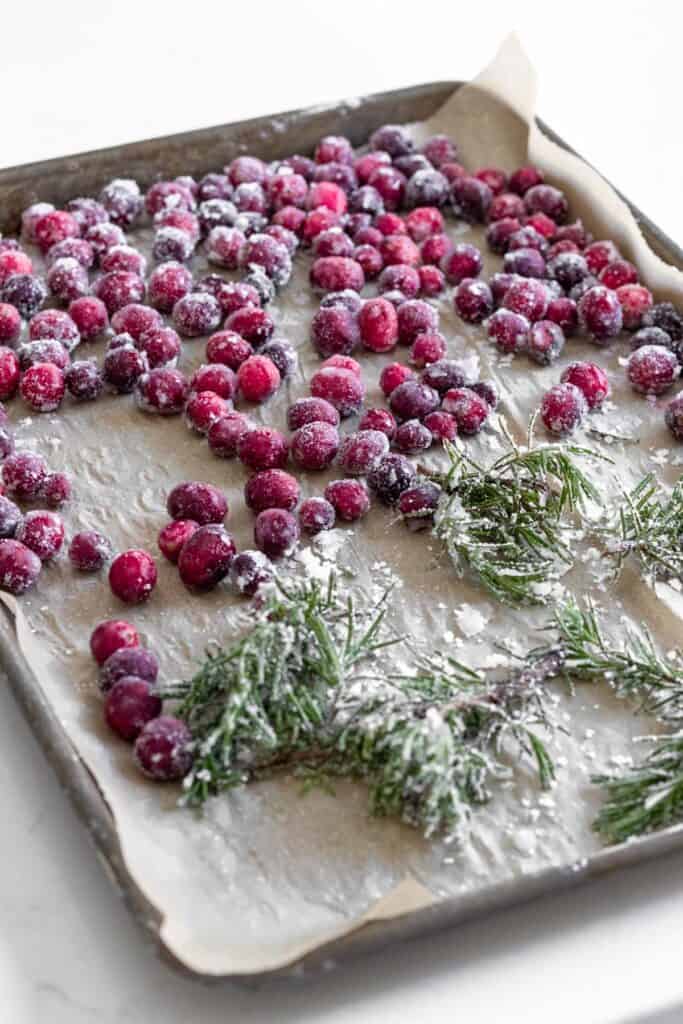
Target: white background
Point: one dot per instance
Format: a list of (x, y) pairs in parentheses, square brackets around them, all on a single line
[(77, 75)]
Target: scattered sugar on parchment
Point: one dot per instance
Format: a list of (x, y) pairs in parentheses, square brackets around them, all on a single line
[(470, 620)]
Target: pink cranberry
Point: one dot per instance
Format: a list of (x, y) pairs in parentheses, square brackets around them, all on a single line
[(328, 195), (508, 330), (127, 660), (311, 410), (378, 420), (196, 313), (246, 168), (42, 387), (263, 448), (110, 636), (463, 261), (19, 567), (471, 199), (416, 317), (652, 369), (635, 300), (361, 452), (163, 391), (31, 216), (129, 706), (349, 499), (427, 348), (123, 366), (181, 220), (412, 437), (469, 410), (42, 532), (315, 445), (160, 346), (168, 284), (103, 235), (529, 298), (562, 409), (225, 434), (413, 400), (90, 316), (399, 250), (250, 198), (393, 375), (390, 224), (258, 378), (418, 504), (432, 281), (316, 515), (14, 261), (10, 373), (590, 379), (10, 324), (223, 246), (441, 425), (228, 348), (89, 551), (55, 490), (673, 417), (25, 292), (290, 217), (545, 341), (600, 313), (123, 257), (163, 750), (378, 324), (252, 323), (54, 227), (10, 517), (402, 278), (205, 557), (122, 200), (199, 501), (335, 273), (564, 313), (135, 319), (342, 362), (333, 148), (391, 477), (526, 262), (133, 576), (600, 254), (423, 222), (271, 488), (334, 329), (473, 300), (617, 273), (341, 388)]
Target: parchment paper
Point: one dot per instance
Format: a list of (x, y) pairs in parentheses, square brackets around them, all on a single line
[(264, 874)]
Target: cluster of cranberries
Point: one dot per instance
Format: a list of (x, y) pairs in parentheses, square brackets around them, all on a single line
[(132, 707)]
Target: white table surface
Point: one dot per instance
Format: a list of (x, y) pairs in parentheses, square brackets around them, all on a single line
[(78, 75)]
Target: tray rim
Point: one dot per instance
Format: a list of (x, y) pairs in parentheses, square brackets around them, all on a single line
[(80, 785)]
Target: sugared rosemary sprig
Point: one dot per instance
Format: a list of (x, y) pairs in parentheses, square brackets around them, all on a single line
[(648, 525), (305, 691), (505, 522)]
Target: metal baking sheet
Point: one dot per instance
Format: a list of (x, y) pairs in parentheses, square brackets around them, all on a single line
[(196, 152)]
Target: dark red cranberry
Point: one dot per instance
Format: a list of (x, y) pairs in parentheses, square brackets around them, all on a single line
[(122, 200), (525, 178), (579, 290), (163, 750), (410, 163), (342, 388), (42, 532), (429, 347), (163, 390), (228, 348), (418, 504), (23, 474), (499, 233), (545, 341), (271, 256), (548, 200), (263, 448), (19, 567), (369, 259), (427, 188), (392, 139), (334, 329), (568, 269), (42, 387), (473, 300), (284, 236), (160, 346), (10, 517), (508, 330), (10, 373), (25, 292), (252, 323), (10, 324), (271, 488), (415, 317), (413, 437), (348, 298), (365, 165), (133, 576), (506, 206), (441, 425), (78, 249), (172, 243), (468, 409), (316, 515), (90, 316), (315, 445), (413, 400), (67, 279), (196, 313), (135, 319), (667, 317), (118, 289), (366, 199), (435, 248), (361, 452), (250, 197), (225, 434), (401, 278), (524, 262), (129, 706), (365, 235), (214, 186), (311, 410), (390, 183), (393, 375), (651, 336), (564, 313), (248, 571), (89, 551), (635, 300), (652, 369), (214, 377), (471, 199), (590, 379), (276, 532), (111, 636), (126, 659), (55, 490), (123, 257), (617, 273), (199, 501), (562, 409), (463, 261), (391, 477), (440, 149), (499, 285), (600, 314), (527, 297), (168, 284), (349, 499), (46, 351), (103, 236), (444, 375), (432, 281), (122, 368), (168, 195), (673, 417), (205, 557)]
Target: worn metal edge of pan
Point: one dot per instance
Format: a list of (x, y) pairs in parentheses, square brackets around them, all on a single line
[(356, 117)]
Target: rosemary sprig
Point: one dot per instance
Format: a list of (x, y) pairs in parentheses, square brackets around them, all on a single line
[(649, 526), (305, 691), (505, 522)]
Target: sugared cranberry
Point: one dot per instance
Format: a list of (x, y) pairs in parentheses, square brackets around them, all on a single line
[(412, 437), (129, 706), (172, 244), (123, 366), (505, 207), (416, 317), (390, 183), (463, 260), (529, 298), (214, 377), (214, 186), (110, 636), (271, 488), (123, 257), (25, 292), (441, 425), (42, 387), (335, 273), (31, 216), (393, 375), (46, 351), (561, 247), (89, 551), (562, 409), (168, 195), (119, 288), (160, 346), (391, 477), (365, 165), (548, 200), (23, 474), (349, 499), (135, 319), (673, 417), (473, 300), (617, 273), (225, 434), (361, 452), (499, 233), (651, 336), (258, 378), (423, 222), (334, 242), (125, 659), (311, 410), (392, 139), (287, 238), (168, 284), (444, 375), (317, 221), (133, 576), (599, 254), (334, 329), (181, 220), (315, 445), (10, 324), (122, 200), (432, 281), (378, 420), (499, 285), (90, 316), (542, 225), (213, 213), (249, 570), (635, 300), (652, 369), (413, 400), (14, 261), (369, 259), (163, 750), (266, 252), (526, 262), (568, 269), (10, 373), (228, 348), (290, 217), (205, 557), (600, 313), (508, 330), (19, 567), (250, 198), (316, 515), (400, 277), (54, 227), (427, 348), (471, 199), (198, 501), (103, 235), (440, 149), (54, 325), (196, 313), (418, 504), (665, 316), (10, 517), (55, 490), (254, 324), (84, 381), (74, 248), (389, 224), (399, 250), (245, 169), (528, 237), (343, 362), (276, 532), (563, 312), (525, 178), (282, 354), (174, 535), (590, 379), (340, 387), (163, 390), (468, 409), (41, 532), (263, 448), (378, 324)]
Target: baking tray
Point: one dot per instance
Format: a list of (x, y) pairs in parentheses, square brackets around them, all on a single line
[(197, 152)]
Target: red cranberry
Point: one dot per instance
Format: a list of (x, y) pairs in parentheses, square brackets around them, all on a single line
[(390, 183), (369, 260), (10, 324), (525, 262), (263, 448), (506, 206), (463, 260), (393, 375), (378, 420), (123, 257), (441, 425), (19, 567), (440, 149), (635, 300), (600, 254), (245, 169), (342, 388), (424, 221), (46, 351), (525, 178), (203, 409), (10, 517), (54, 227), (545, 341), (488, 390), (292, 218), (122, 368), (31, 216), (205, 557), (471, 199), (103, 235), (250, 198), (252, 323), (328, 195), (25, 292), (41, 532), (418, 504), (402, 278), (168, 195), (228, 348), (432, 281), (413, 400), (564, 313), (508, 330), (129, 706), (527, 297), (617, 273), (334, 329), (225, 434), (563, 246), (542, 225), (133, 576), (499, 285), (365, 165), (23, 474), (416, 317), (673, 417), (469, 410), (311, 410), (135, 319), (590, 379), (163, 750), (548, 200), (435, 248), (600, 313), (54, 325), (287, 190), (391, 477), (349, 499), (271, 488), (168, 284), (528, 237), (399, 250), (361, 452), (196, 313), (562, 409), (392, 139), (258, 378), (378, 324), (9, 373), (316, 515), (473, 300), (90, 316), (335, 273), (317, 221), (444, 375), (199, 501), (163, 391), (89, 551), (122, 200), (14, 261), (119, 288), (283, 355), (665, 316), (343, 362), (110, 636), (42, 387), (55, 490), (334, 242), (160, 346), (266, 252), (315, 445), (390, 224), (284, 236), (126, 658), (427, 348), (181, 220), (412, 437), (336, 148), (652, 369), (499, 233)]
